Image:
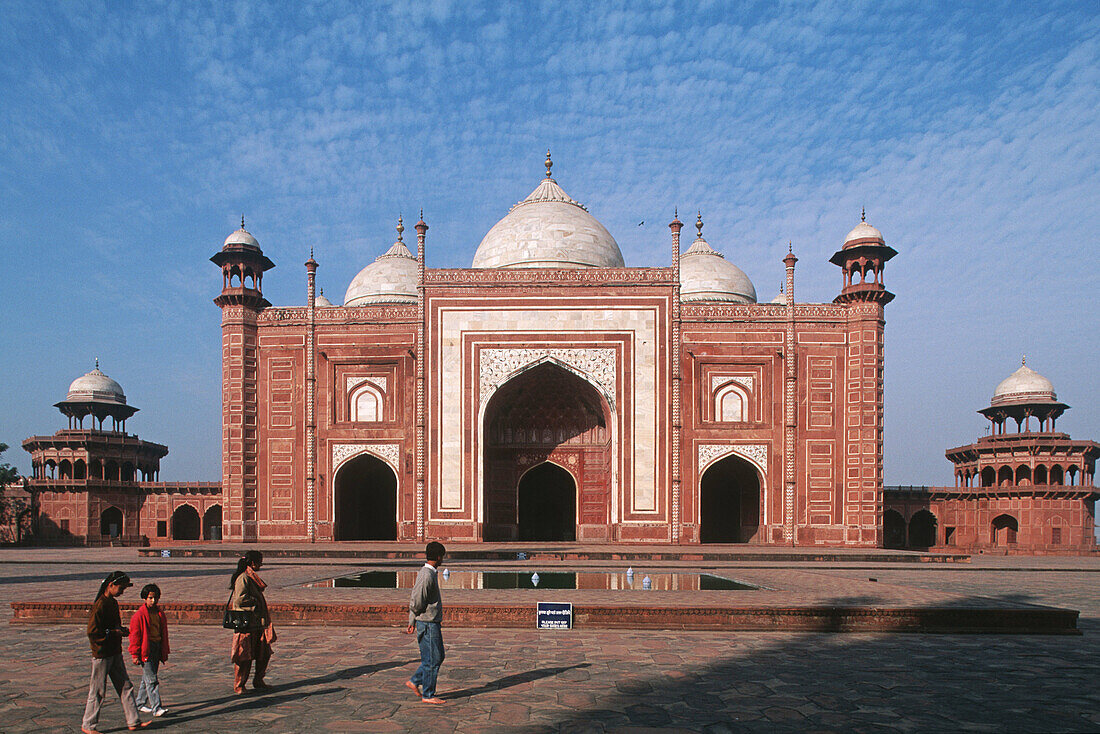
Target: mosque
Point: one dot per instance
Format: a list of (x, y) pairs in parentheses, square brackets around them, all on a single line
[(551, 393)]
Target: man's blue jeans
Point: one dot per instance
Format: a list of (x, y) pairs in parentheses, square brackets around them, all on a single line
[(429, 637), (148, 693)]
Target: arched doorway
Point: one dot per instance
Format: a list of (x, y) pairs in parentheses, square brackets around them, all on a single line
[(366, 500), (729, 502), (185, 523), (1004, 530), (110, 522), (212, 523), (893, 529), (922, 529), (547, 413), (547, 504)]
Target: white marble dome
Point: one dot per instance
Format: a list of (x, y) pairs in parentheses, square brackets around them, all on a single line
[(705, 275), (391, 278), (95, 387), (319, 300), (241, 237), (1025, 385), (863, 231), (548, 229)]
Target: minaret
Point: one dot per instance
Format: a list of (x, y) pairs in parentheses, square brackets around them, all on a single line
[(421, 326), (241, 300), (790, 405), (677, 341), (862, 259)]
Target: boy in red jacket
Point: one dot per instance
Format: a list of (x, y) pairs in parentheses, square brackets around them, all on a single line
[(149, 648)]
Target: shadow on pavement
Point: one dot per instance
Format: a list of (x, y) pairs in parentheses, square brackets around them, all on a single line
[(511, 680), (274, 695), (855, 682)]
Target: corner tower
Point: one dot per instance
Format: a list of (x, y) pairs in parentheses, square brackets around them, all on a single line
[(862, 258), (243, 264)]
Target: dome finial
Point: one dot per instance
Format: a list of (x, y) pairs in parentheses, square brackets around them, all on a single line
[(676, 212), (242, 221), (863, 214), (699, 224), (1023, 361), (549, 163), (97, 363), (400, 228), (790, 247)]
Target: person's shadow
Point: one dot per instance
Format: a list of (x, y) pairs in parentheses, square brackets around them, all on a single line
[(276, 694), (511, 680)]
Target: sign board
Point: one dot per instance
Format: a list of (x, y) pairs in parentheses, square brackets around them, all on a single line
[(166, 553), (554, 615)]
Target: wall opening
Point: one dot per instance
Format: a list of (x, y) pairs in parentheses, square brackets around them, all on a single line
[(547, 504), (366, 500), (729, 502), (185, 523)]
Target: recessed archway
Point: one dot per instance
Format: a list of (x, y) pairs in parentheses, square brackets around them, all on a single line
[(1004, 530), (893, 529), (922, 529), (185, 523), (729, 502), (212, 523), (366, 500), (547, 504), (110, 522), (546, 412)]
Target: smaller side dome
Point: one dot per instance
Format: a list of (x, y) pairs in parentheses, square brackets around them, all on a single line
[(241, 237), (391, 278), (97, 387), (320, 300), (864, 231), (706, 275), (1025, 385)]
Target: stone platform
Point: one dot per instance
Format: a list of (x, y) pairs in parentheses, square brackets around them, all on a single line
[(799, 592)]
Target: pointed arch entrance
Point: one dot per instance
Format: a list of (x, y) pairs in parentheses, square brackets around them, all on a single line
[(366, 500), (729, 502), (546, 416), (185, 523), (547, 504)]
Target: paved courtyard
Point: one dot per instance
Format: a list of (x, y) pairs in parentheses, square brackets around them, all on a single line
[(350, 679)]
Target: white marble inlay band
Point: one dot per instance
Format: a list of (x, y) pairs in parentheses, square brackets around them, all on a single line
[(388, 452), (757, 453), (745, 381), (497, 365), (378, 381)]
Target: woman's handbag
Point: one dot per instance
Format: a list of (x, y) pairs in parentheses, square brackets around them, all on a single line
[(241, 621)]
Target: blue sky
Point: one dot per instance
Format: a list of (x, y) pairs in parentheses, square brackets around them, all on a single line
[(133, 136)]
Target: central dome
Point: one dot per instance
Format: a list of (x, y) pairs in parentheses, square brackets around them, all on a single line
[(548, 229)]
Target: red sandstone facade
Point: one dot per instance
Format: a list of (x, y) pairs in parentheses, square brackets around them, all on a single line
[(551, 401)]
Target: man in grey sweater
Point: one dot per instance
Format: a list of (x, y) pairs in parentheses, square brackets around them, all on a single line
[(425, 619)]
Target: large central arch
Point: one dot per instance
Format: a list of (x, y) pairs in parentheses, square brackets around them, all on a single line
[(365, 500), (729, 502), (547, 413)]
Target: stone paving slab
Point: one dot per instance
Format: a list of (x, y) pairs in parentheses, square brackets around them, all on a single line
[(351, 680)]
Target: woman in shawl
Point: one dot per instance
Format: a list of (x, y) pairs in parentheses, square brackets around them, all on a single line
[(253, 646)]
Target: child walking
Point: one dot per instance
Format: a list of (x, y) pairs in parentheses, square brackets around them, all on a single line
[(149, 648), (105, 633)]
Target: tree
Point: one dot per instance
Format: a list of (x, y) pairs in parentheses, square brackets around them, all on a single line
[(12, 509)]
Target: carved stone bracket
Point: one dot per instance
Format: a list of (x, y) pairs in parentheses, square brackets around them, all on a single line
[(497, 365), (388, 452), (757, 453)]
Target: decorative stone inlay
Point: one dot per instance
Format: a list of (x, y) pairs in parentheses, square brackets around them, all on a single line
[(498, 364), (388, 452), (757, 453), (440, 276), (745, 381), (378, 381)]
